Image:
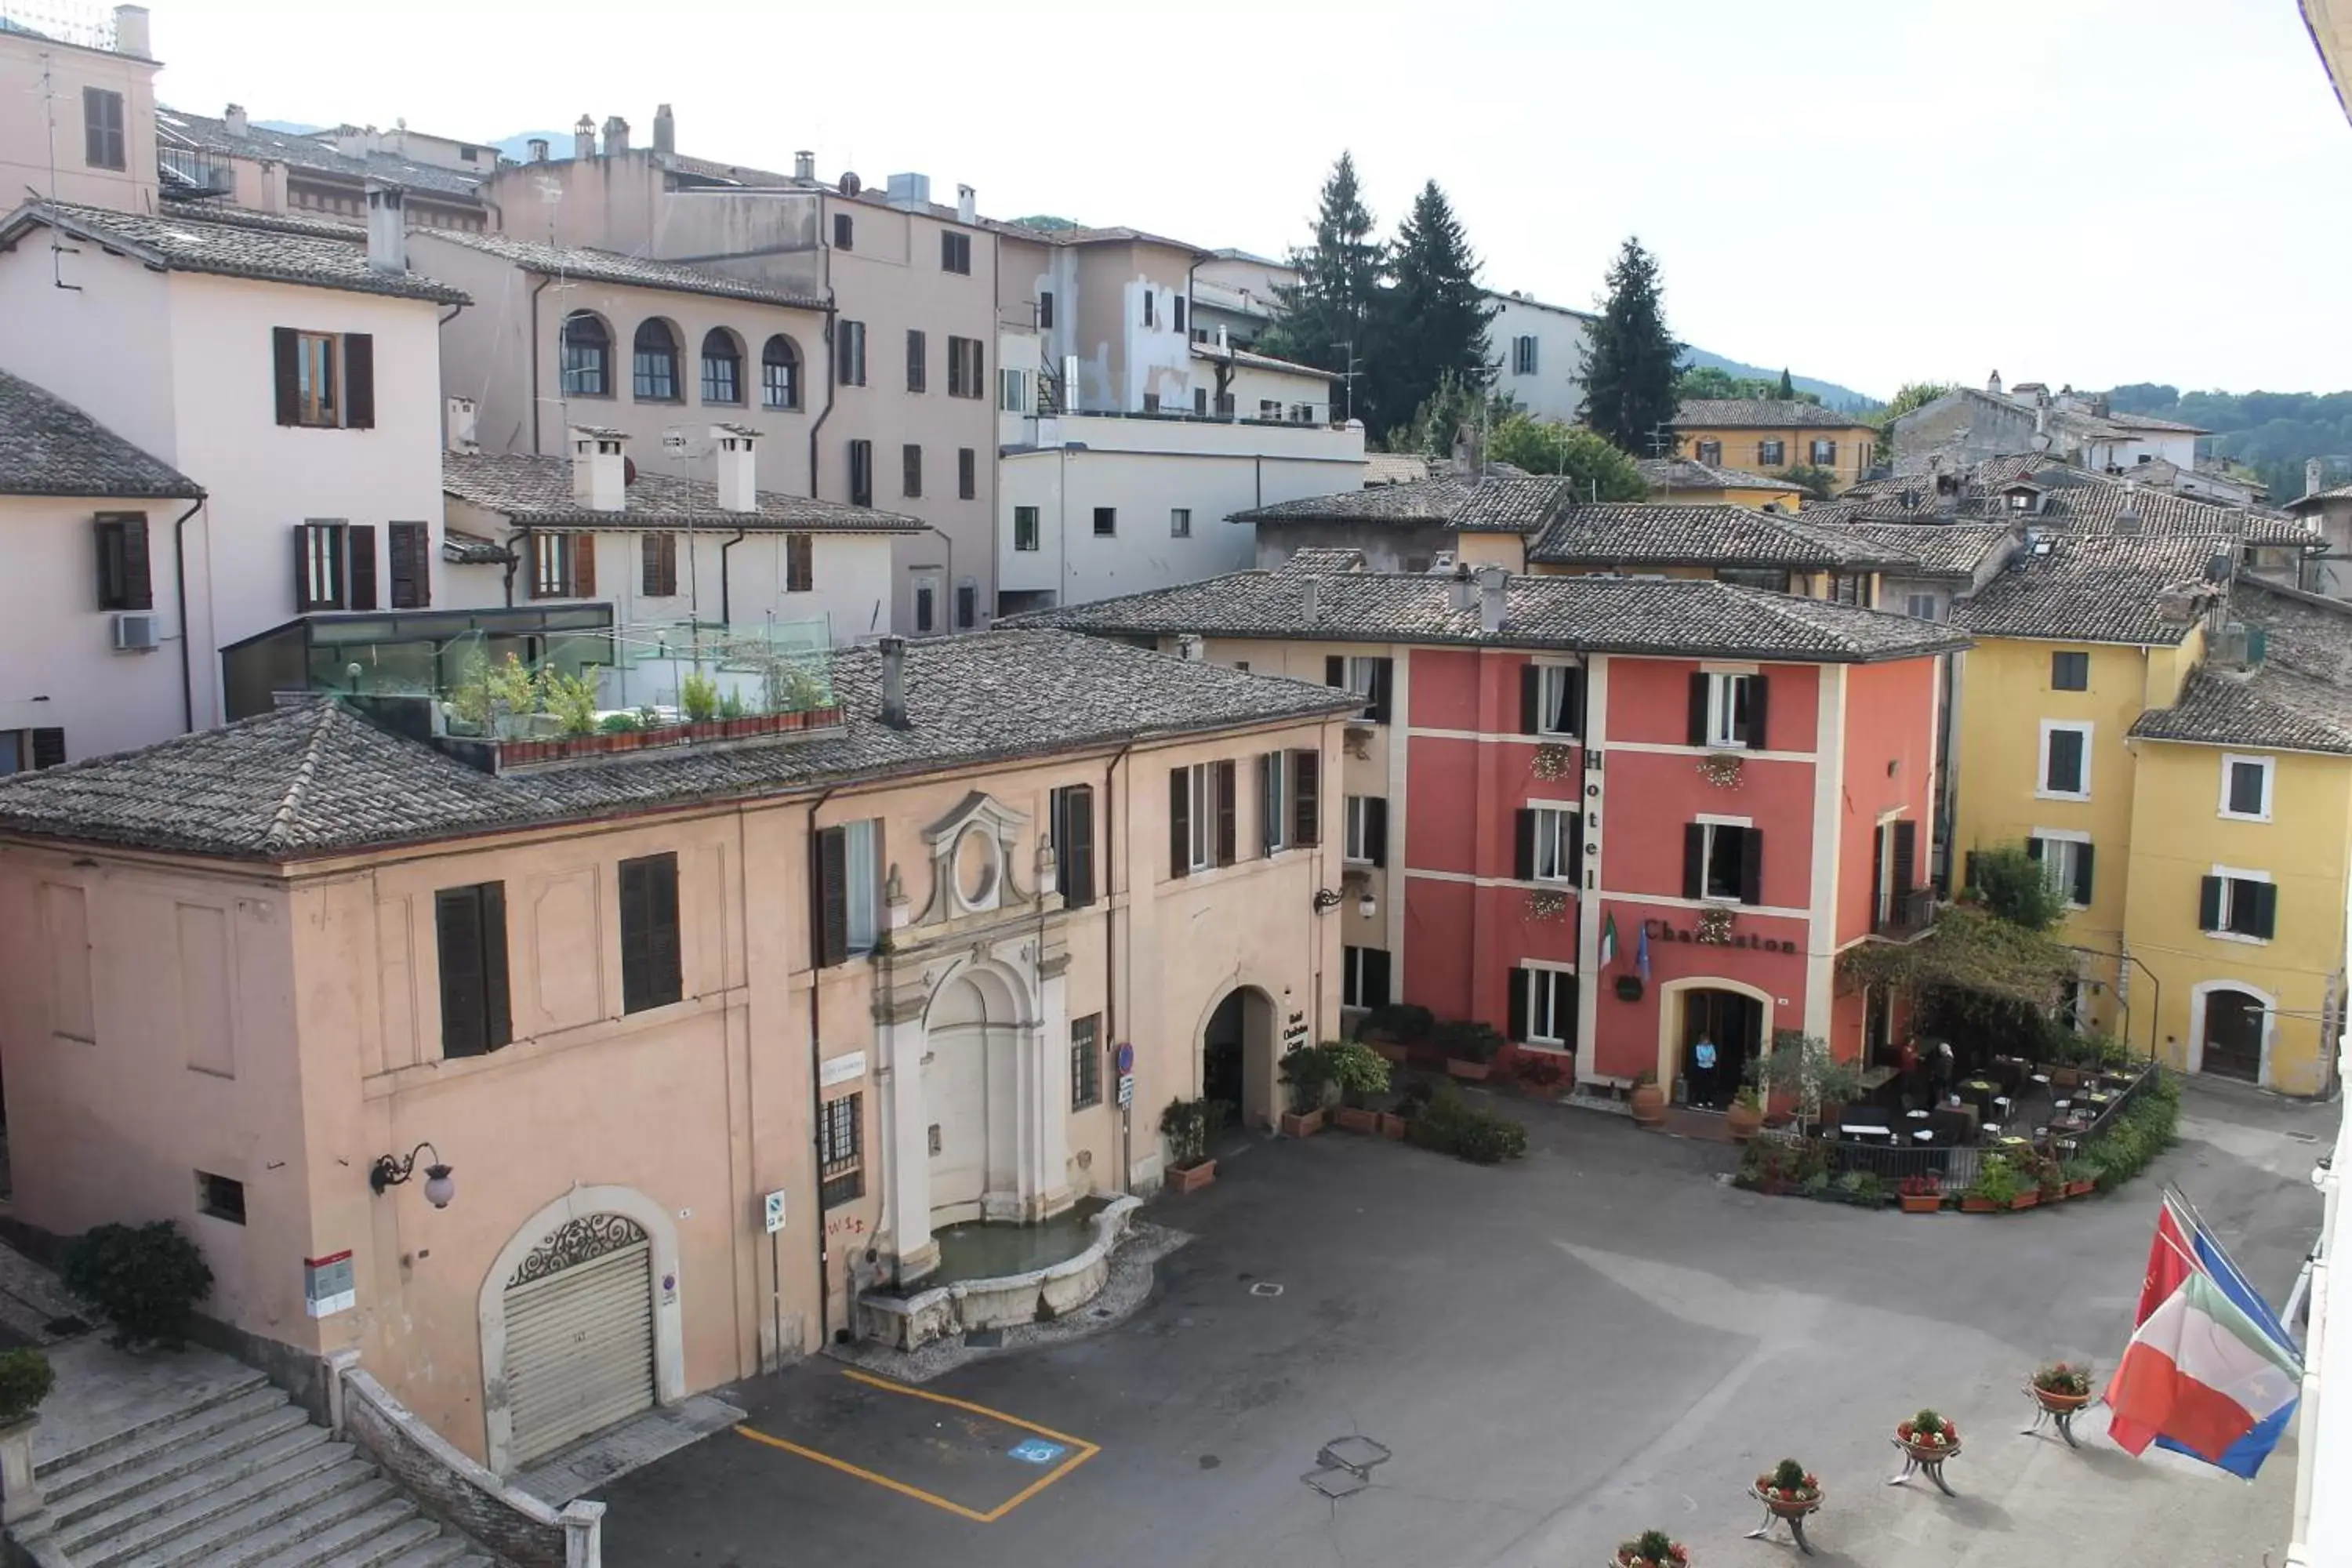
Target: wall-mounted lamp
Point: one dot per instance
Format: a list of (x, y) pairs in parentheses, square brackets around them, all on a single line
[(1326, 901), (439, 1185)]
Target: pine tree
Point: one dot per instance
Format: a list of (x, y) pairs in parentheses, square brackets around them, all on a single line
[(1788, 392), (1328, 313), (1431, 321), (1629, 365)]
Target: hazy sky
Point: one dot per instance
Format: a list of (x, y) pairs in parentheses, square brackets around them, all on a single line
[(1872, 191)]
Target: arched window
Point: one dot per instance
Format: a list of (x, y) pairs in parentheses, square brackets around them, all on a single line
[(780, 373), (657, 363), (722, 367), (587, 356)]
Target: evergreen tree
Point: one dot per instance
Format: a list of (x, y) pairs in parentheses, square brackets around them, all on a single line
[(1629, 366), (1602, 472), (1788, 392), (1431, 322), (1330, 307)]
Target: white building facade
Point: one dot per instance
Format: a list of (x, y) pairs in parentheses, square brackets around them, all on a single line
[(1539, 354)]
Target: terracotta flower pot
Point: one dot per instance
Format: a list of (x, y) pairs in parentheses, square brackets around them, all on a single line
[(1790, 1507), (1193, 1178), (2081, 1189), (1971, 1203), (1926, 1203), (1391, 1050), (1356, 1118), (2061, 1404), (2025, 1200), (1392, 1125), (1475, 1072), (1743, 1120), (1301, 1124), (1649, 1106)]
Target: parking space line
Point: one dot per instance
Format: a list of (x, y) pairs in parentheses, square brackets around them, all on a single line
[(1081, 1452)]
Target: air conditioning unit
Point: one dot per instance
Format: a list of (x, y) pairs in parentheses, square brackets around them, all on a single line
[(135, 632)]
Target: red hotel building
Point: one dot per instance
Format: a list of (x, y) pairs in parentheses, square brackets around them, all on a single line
[(1550, 770)]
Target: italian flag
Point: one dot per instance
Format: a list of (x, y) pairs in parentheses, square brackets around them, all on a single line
[(2200, 1372)]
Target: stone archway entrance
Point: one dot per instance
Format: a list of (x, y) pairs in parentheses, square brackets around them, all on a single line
[(1237, 1057), (2234, 1021), (1733, 1017)]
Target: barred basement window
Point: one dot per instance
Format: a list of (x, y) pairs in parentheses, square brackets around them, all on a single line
[(841, 1151), (220, 1196), (1086, 1061)]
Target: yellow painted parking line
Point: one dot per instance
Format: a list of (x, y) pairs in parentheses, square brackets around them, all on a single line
[(1081, 1452)]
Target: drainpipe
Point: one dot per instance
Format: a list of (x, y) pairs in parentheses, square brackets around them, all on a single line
[(535, 447), (179, 592), (1111, 961), (817, 1097), (832, 316), (514, 560), (725, 600)]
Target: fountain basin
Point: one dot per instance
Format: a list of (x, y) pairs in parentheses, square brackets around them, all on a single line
[(910, 1321)]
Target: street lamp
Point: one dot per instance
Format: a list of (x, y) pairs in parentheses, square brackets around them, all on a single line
[(1326, 901), (440, 1186)]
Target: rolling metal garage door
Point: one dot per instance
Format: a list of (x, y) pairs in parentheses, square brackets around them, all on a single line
[(580, 1349)]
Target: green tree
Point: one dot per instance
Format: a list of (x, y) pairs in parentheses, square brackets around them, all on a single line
[(1911, 395), (1431, 322), (1328, 315), (2010, 882), (1454, 407), (1629, 364), (1548, 447), (1819, 483), (1786, 391)]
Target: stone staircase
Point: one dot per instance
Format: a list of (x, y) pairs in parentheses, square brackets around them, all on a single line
[(220, 1470)]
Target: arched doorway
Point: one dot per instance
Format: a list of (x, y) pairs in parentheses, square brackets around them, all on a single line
[(1731, 1017), (2231, 1039), (971, 1089), (1237, 1057)]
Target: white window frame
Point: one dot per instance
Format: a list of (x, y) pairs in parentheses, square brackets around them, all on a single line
[(1276, 795), (1201, 788), (2231, 875), (1555, 837), (1012, 390), (862, 872), (1351, 974), (2268, 767), (2074, 838), (1553, 687), (1912, 603), (1179, 522), (1523, 354), (1028, 540), (1363, 674), (1723, 709), (1546, 1004), (2042, 789), (1354, 847)]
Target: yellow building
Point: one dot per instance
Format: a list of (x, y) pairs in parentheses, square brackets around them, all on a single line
[(2113, 723), (1683, 481), (1773, 436)]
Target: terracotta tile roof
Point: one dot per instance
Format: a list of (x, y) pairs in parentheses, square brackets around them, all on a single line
[(1762, 414), (2070, 497), (302, 151), (637, 271), (1934, 549), (536, 491), (318, 779), (50, 447), (2101, 587), (2269, 709), (1716, 533), (1690, 474), (178, 244), (1489, 505)]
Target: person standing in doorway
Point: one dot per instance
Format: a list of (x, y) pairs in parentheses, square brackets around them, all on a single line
[(1702, 1072)]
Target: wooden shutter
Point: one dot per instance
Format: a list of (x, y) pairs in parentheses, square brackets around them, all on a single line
[(1699, 681), (1906, 856), (1227, 810), (1694, 859), (2265, 896), (1576, 701), (915, 359), (967, 474), (2209, 904), (660, 564), (48, 748), (1372, 988), (125, 579), (2082, 874), (1968, 871), (360, 539), (2033, 849), (498, 1008), (1752, 866), (1376, 830), (582, 547), (831, 900), (286, 356), (1271, 826), (1307, 798), (1517, 1029), (649, 940), (669, 967), (358, 381), (1575, 866), (412, 574), (1759, 691), (1523, 845), (1179, 821), (1077, 847), (636, 934), (1531, 700), (1383, 670), (1335, 670), (1878, 875), (457, 923)]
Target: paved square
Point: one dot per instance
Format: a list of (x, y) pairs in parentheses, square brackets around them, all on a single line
[(1556, 1353)]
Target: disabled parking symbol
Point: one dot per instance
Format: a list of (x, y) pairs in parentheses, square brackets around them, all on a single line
[(1037, 1451)]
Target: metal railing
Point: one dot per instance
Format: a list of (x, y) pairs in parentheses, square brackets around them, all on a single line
[(1908, 912), (1958, 1165)]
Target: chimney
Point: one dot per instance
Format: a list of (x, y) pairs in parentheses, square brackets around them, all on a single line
[(2313, 470), (583, 139), (1224, 344), (738, 468), (538, 146), (910, 193), (966, 204), (1189, 648), (803, 165), (387, 228), (130, 35), (616, 136), (600, 473), (234, 118), (2127, 515), (894, 682), (459, 427), (1309, 595), (1992, 383), (1492, 582), (1466, 588), (665, 131)]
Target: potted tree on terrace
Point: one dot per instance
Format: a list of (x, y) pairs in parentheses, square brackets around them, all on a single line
[(1189, 1125), (1358, 1072), (1306, 1071)]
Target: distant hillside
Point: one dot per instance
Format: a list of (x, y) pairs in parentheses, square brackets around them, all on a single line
[(1844, 399), (2273, 433), (518, 146), (289, 127)]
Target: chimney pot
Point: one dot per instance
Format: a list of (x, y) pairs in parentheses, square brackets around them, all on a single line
[(234, 118), (664, 130), (1309, 595), (1492, 583), (600, 474), (583, 139), (387, 228), (738, 473), (803, 165), (2313, 470), (460, 428), (1189, 647), (966, 204), (894, 681), (130, 32), (1466, 588), (1992, 383), (539, 149), (616, 136)]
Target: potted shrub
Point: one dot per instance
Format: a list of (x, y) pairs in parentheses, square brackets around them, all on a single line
[(1393, 1030), (1358, 1072), (1788, 1490), (25, 1381), (2062, 1387), (698, 695), (1397, 1118), (1307, 1071), (2049, 1180), (1469, 1046), (1189, 1125), (26, 1378), (1921, 1194), (1996, 1186), (146, 1278), (1651, 1549), (1540, 1073), (1745, 1117), (1648, 1102), (2082, 1177)]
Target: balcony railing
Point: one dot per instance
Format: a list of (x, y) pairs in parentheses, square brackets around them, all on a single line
[(192, 174), (1906, 912)]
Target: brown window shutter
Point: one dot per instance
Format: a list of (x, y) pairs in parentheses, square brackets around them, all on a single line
[(1694, 859), (2083, 856), (1523, 844), (360, 539), (1307, 798), (412, 567), (832, 901), (1530, 698), (1699, 682), (497, 1006), (138, 571), (1335, 670), (1179, 821), (1227, 813), (1517, 1028), (583, 565), (649, 944), (358, 381), (286, 355), (1376, 831), (1906, 856), (457, 927), (48, 748), (668, 970), (1760, 726), (1077, 847), (1752, 866), (800, 562), (967, 474)]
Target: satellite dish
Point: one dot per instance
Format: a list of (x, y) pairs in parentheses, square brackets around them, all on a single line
[(629, 470), (2040, 440)]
